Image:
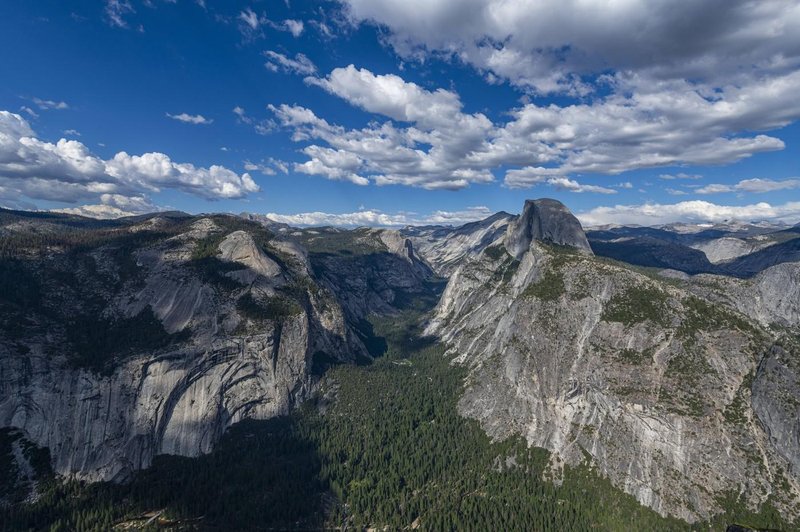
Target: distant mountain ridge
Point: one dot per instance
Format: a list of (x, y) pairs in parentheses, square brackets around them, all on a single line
[(740, 250), (721, 248)]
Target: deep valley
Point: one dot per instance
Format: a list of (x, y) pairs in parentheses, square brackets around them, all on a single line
[(219, 372)]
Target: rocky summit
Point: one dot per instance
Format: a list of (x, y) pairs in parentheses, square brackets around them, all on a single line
[(124, 341), (545, 220), (655, 382)]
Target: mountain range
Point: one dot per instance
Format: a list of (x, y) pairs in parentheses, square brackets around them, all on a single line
[(664, 361)]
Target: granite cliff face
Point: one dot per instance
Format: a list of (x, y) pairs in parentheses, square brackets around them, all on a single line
[(776, 389), (720, 250), (443, 248), (178, 402), (771, 298), (544, 220), (646, 379), (371, 271), (154, 338)]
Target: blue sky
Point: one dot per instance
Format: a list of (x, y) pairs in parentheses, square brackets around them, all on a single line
[(389, 112)]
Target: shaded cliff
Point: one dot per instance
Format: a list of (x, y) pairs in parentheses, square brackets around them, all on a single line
[(126, 340)]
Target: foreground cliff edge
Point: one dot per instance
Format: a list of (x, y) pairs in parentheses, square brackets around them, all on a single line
[(125, 340)]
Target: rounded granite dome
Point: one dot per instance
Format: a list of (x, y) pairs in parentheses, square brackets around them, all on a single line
[(547, 220)]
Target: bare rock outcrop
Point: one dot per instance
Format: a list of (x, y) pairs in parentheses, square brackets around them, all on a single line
[(776, 400), (177, 402), (443, 248), (240, 247), (546, 220), (212, 330), (638, 376), (772, 297), (723, 249)]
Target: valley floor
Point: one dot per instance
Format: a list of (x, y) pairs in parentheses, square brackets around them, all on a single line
[(380, 445)]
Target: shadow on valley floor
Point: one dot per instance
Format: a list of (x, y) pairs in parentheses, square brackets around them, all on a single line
[(262, 475)]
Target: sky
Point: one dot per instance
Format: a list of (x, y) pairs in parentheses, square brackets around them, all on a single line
[(395, 112)]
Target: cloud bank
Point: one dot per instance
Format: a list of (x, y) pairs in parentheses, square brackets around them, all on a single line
[(67, 171), (753, 186), (647, 214), (427, 140), (690, 211), (376, 218), (554, 46)]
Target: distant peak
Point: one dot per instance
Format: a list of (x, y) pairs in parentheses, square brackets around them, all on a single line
[(546, 220)]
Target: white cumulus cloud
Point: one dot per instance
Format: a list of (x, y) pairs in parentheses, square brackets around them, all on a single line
[(190, 119), (116, 11), (112, 206), (755, 186), (564, 183), (551, 45), (376, 218), (689, 211), (67, 171), (262, 127), (271, 166), (427, 140)]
